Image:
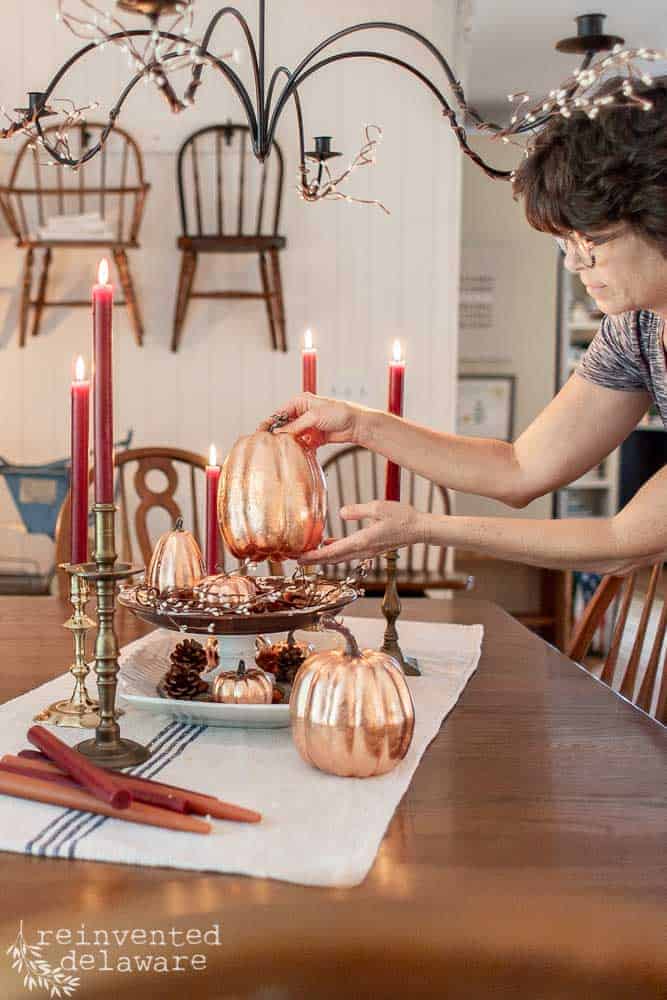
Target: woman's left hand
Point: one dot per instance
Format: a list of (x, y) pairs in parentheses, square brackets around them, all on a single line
[(392, 525)]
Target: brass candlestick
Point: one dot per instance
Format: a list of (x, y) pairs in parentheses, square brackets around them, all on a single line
[(79, 711), (108, 749), (391, 609)]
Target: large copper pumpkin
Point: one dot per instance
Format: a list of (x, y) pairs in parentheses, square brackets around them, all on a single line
[(176, 564), (243, 687), (352, 712), (272, 498)]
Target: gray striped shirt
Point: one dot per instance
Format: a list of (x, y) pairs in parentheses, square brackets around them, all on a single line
[(628, 353)]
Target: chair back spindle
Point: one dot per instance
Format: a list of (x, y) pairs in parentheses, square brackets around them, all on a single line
[(634, 665)]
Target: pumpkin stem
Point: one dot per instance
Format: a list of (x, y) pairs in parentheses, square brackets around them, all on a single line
[(278, 420), (241, 669), (179, 524), (336, 625)]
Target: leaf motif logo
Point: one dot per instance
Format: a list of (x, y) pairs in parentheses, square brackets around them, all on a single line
[(37, 973)]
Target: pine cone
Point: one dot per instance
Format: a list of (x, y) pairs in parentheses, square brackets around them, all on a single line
[(282, 659), (183, 684), (189, 655)]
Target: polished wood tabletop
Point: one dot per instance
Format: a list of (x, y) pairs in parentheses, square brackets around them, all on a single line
[(527, 858)]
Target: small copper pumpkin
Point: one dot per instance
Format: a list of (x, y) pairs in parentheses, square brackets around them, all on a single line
[(352, 712), (243, 687), (176, 564), (230, 589), (271, 498)]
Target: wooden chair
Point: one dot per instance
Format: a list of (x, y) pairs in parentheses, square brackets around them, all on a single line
[(353, 476), (223, 200), (112, 184), (633, 667)]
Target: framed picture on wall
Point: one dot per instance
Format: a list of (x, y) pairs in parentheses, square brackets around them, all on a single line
[(485, 406)]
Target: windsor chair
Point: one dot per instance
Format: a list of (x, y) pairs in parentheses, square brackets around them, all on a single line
[(111, 187), (635, 663), (230, 204), (354, 476)]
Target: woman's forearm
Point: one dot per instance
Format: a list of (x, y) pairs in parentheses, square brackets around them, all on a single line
[(469, 465), (591, 544)]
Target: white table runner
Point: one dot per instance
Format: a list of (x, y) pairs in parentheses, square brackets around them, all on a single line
[(317, 829)]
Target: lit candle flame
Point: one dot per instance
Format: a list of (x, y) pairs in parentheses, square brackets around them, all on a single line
[(308, 340), (212, 456), (103, 272), (398, 354), (79, 369)]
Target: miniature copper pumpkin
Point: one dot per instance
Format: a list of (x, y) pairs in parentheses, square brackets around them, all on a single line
[(352, 713), (227, 589), (176, 564), (271, 498), (243, 687)]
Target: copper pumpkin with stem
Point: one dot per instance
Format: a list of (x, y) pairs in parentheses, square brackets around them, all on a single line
[(176, 564), (243, 687), (352, 712), (272, 497)]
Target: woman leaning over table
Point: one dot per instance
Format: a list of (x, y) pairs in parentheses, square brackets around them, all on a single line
[(600, 187)]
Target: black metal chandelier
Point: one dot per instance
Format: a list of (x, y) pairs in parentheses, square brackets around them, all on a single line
[(264, 104)]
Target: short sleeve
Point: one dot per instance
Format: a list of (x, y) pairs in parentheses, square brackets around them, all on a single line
[(613, 359)]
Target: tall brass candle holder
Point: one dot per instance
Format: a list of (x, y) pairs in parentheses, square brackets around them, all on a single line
[(391, 609), (79, 711), (108, 749)]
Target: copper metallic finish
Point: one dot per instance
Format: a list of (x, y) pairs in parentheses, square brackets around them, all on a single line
[(352, 712), (272, 498), (177, 563), (243, 687), (231, 589)]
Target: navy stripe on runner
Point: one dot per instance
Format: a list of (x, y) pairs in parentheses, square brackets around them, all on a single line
[(83, 819), (69, 814), (79, 818), (175, 752)]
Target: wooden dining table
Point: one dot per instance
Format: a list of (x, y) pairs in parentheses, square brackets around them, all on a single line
[(527, 858)]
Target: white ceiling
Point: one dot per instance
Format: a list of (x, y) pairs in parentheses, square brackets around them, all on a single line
[(511, 42)]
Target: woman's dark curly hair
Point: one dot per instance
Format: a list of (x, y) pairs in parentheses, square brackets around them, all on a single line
[(586, 174)]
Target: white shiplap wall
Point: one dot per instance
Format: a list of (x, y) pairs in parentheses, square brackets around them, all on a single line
[(358, 277)]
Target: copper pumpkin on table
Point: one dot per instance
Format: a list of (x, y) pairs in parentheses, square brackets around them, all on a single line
[(352, 712), (271, 498)]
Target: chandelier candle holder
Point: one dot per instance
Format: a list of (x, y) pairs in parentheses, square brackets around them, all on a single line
[(79, 711), (108, 749)]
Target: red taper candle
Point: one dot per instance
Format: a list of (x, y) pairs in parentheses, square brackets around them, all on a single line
[(309, 364), (395, 406), (212, 531), (103, 385), (79, 431)]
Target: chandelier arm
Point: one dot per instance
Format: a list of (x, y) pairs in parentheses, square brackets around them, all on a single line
[(115, 110), (447, 110), (283, 70), (252, 49), (386, 26)]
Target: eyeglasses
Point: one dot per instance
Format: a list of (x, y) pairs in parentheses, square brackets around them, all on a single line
[(584, 246)]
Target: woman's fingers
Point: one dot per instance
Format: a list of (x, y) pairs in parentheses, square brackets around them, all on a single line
[(360, 511), (300, 424), (357, 546), (292, 409)]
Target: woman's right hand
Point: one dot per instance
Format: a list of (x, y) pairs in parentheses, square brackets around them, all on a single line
[(322, 420)]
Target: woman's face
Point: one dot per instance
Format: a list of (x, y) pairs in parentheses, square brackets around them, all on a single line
[(629, 273)]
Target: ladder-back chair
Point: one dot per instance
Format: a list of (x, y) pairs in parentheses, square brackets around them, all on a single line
[(230, 204), (111, 185), (635, 663), (355, 475)]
